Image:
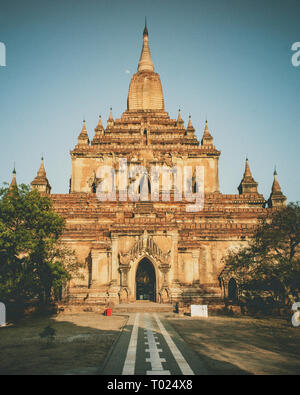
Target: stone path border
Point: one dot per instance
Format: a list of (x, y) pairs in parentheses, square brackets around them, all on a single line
[(103, 364)]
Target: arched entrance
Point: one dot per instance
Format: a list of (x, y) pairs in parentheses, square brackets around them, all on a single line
[(145, 281)]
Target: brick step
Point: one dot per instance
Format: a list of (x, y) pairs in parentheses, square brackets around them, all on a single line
[(145, 307), (90, 299), (87, 301), (78, 292)]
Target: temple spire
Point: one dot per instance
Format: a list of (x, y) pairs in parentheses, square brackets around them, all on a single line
[(277, 198), (180, 121), (83, 138), (145, 33), (179, 115), (83, 130), (145, 62), (247, 172), (42, 171), (100, 126), (110, 115), (275, 185), (207, 138), (145, 90), (41, 182), (190, 130), (14, 180), (110, 121), (190, 125), (99, 132), (248, 184)]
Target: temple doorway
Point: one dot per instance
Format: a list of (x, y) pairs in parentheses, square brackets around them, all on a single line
[(145, 281)]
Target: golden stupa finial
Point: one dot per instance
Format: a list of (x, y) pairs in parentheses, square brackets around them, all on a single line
[(145, 62)]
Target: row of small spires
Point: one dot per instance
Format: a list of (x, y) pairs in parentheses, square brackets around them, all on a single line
[(207, 138), (111, 119), (247, 185)]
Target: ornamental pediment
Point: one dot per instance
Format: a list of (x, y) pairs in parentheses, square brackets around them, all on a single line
[(145, 245)]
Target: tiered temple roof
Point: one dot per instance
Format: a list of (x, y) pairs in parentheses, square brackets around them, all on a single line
[(146, 127), (145, 122)]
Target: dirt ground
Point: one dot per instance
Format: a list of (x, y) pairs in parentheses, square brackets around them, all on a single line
[(226, 345), (243, 345), (81, 344)]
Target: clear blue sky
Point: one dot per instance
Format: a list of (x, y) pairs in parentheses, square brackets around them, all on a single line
[(228, 60)]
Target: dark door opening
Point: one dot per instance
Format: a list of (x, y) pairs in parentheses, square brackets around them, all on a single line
[(145, 281)]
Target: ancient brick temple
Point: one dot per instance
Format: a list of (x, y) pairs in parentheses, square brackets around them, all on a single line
[(153, 250)]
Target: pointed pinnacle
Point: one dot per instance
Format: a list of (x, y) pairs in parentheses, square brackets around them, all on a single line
[(190, 125), (110, 114), (145, 33), (247, 169)]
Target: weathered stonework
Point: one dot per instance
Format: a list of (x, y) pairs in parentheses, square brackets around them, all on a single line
[(112, 238)]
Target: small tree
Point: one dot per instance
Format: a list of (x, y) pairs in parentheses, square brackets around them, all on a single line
[(271, 262), (33, 261)]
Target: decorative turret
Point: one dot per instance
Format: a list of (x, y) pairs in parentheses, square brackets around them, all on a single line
[(207, 138), (277, 198), (99, 131), (99, 126), (13, 183), (190, 125), (145, 91), (248, 184), (83, 138), (110, 121), (180, 121), (41, 182), (190, 130)]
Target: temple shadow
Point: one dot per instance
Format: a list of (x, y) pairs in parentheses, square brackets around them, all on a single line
[(79, 347), (203, 363)]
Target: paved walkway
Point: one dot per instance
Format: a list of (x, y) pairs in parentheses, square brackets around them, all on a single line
[(148, 345)]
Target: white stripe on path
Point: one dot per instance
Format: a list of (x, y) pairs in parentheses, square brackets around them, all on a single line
[(182, 363), (153, 350), (129, 364)]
